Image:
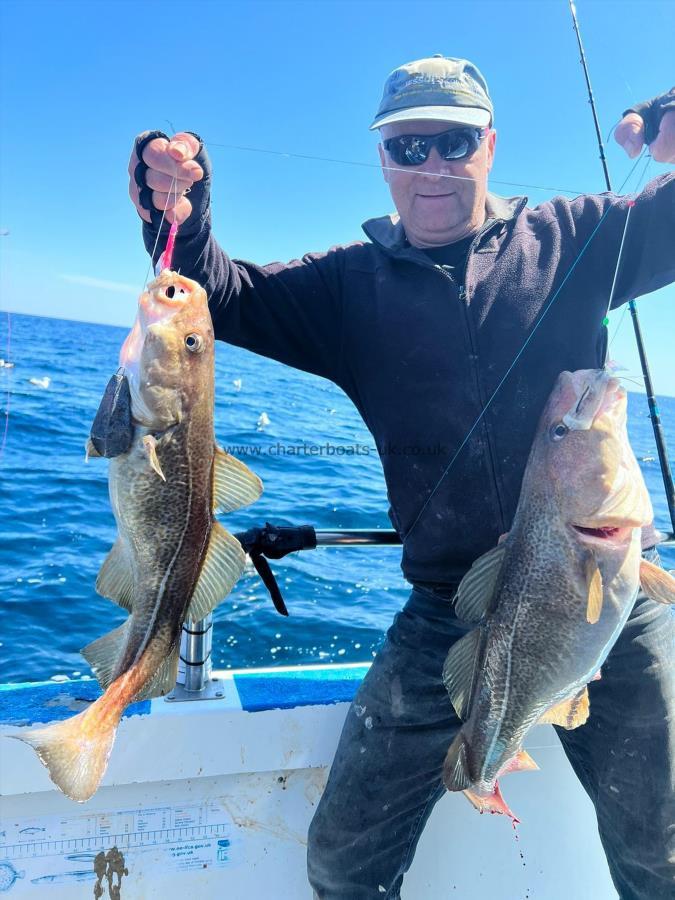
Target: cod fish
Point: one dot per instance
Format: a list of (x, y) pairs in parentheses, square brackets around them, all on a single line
[(172, 560), (551, 599)]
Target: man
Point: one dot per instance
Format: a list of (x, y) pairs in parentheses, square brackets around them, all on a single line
[(419, 325)]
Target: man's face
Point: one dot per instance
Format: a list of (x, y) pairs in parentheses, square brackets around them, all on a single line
[(434, 209)]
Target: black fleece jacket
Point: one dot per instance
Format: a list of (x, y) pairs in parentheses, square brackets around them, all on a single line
[(421, 353)]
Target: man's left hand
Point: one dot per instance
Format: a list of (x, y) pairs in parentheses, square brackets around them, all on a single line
[(630, 133)]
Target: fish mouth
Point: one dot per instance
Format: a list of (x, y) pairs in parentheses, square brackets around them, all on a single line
[(613, 535), (169, 289), (172, 295)]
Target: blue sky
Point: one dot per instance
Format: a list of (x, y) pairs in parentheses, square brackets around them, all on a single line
[(81, 79)]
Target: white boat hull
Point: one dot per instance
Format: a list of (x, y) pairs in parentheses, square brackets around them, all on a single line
[(213, 798)]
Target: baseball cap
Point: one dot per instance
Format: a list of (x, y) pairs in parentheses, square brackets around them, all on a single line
[(439, 87)]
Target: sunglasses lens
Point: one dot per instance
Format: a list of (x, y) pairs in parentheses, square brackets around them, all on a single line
[(408, 149), (457, 144), (414, 149)]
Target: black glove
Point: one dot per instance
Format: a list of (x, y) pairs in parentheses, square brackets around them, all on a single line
[(200, 192), (651, 112)]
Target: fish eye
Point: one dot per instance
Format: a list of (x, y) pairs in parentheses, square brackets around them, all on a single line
[(559, 431), (194, 342)]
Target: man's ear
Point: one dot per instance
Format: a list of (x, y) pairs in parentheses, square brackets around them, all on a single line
[(383, 162), (491, 143)]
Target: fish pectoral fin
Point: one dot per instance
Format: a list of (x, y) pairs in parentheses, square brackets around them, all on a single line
[(224, 562), (570, 713), (234, 485), (521, 762), (163, 680), (90, 451), (477, 588), (657, 584), (115, 579), (150, 447), (594, 605), (103, 653), (458, 671), (456, 775)]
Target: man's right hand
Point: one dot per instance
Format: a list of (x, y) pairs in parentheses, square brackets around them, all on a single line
[(166, 160)]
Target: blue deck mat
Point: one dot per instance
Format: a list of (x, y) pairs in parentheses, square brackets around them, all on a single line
[(52, 701), (284, 690)]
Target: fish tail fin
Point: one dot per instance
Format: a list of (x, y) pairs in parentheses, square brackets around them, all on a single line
[(76, 751), (456, 776), (490, 802)]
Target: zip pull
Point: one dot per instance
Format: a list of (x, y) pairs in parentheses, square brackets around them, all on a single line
[(462, 293)]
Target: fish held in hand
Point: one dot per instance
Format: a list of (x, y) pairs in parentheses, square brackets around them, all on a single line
[(172, 560), (551, 599)]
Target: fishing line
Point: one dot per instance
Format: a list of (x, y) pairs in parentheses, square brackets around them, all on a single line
[(631, 204), (366, 165), (174, 184), (631, 380), (8, 371), (546, 309), (612, 129), (638, 187), (652, 402), (460, 178), (516, 358)]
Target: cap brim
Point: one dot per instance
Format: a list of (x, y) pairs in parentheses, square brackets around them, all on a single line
[(459, 115)]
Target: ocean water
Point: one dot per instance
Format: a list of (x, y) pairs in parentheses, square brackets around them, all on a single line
[(315, 458)]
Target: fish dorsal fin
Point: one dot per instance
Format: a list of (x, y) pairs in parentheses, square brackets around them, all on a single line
[(477, 588), (115, 579), (570, 713), (103, 653), (163, 680), (458, 671), (657, 584), (234, 485), (594, 605), (222, 566)]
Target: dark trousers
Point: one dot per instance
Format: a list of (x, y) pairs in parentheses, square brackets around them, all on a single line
[(386, 776)]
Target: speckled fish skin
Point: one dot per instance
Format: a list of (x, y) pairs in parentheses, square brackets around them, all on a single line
[(165, 523), (171, 559), (583, 504)]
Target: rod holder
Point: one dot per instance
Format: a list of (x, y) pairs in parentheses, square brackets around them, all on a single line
[(194, 661), (194, 680)]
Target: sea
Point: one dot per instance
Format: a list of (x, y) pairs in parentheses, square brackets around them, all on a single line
[(299, 433)]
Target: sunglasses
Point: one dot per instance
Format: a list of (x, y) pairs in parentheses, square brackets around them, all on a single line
[(414, 149)]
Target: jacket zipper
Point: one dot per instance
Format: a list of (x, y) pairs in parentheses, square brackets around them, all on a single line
[(463, 297)]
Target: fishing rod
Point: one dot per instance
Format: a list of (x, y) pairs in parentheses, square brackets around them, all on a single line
[(652, 402), (276, 541)]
